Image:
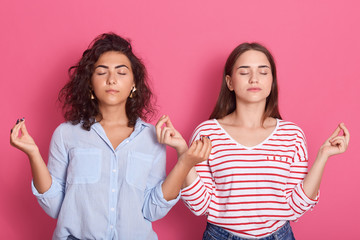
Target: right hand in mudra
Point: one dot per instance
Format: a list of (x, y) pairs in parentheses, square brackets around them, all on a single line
[(169, 135), (199, 150), (20, 139)]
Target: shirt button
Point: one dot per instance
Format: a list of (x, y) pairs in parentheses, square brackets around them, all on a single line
[(112, 209), (127, 141), (113, 190), (114, 170), (111, 226)]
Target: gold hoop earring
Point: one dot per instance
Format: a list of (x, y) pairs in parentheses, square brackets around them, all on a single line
[(92, 97), (132, 92)]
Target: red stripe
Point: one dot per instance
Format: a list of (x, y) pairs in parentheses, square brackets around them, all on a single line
[(233, 224), (197, 182), (275, 145), (223, 144), (248, 181), (205, 124), (195, 199), (250, 195), (251, 216), (248, 202), (245, 167), (288, 135), (249, 188), (202, 209), (283, 140), (247, 210), (252, 174)]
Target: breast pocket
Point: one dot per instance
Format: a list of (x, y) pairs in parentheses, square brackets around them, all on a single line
[(280, 158), (138, 169), (84, 166)]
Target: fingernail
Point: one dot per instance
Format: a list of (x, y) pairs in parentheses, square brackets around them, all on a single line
[(22, 119), (17, 121), (11, 131), (208, 137)]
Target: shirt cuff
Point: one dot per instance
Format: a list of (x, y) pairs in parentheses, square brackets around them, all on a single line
[(192, 191), (54, 189), (160, 200), (306, 198)]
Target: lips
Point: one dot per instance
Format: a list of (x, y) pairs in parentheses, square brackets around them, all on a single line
[(111, 91), (254, 89)]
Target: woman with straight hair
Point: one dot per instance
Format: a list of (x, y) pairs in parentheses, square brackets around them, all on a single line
[(256, 177), (105, 177)]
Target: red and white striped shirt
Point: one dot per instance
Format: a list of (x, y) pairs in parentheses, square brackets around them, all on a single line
[(251, 191)]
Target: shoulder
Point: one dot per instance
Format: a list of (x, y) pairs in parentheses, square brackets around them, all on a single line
[(290, 127), (205, 128), (67, 127), (208, 124), (146, 136)]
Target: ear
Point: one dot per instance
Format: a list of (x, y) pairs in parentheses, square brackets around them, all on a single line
[(229, 82)]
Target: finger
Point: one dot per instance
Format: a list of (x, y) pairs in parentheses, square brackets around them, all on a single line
[(198, 146), (206, 148), (15, 130), (164, 133), (169, 133), (23, 128), (159, 125), (169, 123), (337, 138), (335, 133), (340, 144), (193, 146), (346, 132)]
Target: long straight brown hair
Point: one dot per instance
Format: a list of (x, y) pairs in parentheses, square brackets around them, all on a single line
[(226, 102)]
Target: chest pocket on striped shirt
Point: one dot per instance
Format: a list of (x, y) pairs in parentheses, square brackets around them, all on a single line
[(84, 166), (280, 158), (138, 169)]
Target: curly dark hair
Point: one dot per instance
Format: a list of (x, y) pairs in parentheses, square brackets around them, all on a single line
[(76, 94)]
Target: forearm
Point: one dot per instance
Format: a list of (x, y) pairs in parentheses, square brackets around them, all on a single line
[(312, 180), (41, 175), (174, 181)]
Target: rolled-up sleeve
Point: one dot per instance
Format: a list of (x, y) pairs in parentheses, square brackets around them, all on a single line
[(52, 199), (155, 205)]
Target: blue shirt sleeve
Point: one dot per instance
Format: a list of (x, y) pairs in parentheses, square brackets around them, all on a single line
[(155, 206), (52, 199)]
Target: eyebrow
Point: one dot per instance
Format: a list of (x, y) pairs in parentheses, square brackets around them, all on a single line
[(119, 66), (261, 66)]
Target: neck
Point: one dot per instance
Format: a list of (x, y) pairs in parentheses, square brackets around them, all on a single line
[(112, 115), (249, 114)]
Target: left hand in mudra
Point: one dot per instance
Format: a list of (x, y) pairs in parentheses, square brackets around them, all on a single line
[(337, 143)]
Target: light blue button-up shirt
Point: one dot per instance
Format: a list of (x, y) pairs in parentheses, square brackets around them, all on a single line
[(98, 192)]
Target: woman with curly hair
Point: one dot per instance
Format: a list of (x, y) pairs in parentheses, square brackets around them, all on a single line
[(105, 177)]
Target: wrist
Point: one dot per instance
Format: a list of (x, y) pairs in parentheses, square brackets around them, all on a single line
[(185, 161), (322, 157), (181, 150), (34, 153)]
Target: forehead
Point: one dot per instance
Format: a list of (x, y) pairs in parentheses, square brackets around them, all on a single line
[(113, 58), (252, 58)]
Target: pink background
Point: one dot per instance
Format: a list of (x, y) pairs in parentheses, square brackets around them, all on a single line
[(184, 45)]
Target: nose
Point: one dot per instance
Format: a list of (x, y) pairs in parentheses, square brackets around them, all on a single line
[(111, 78), (253, 78)]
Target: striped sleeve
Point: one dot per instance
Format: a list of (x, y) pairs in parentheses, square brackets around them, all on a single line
[(298, 201), (197, 196)]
